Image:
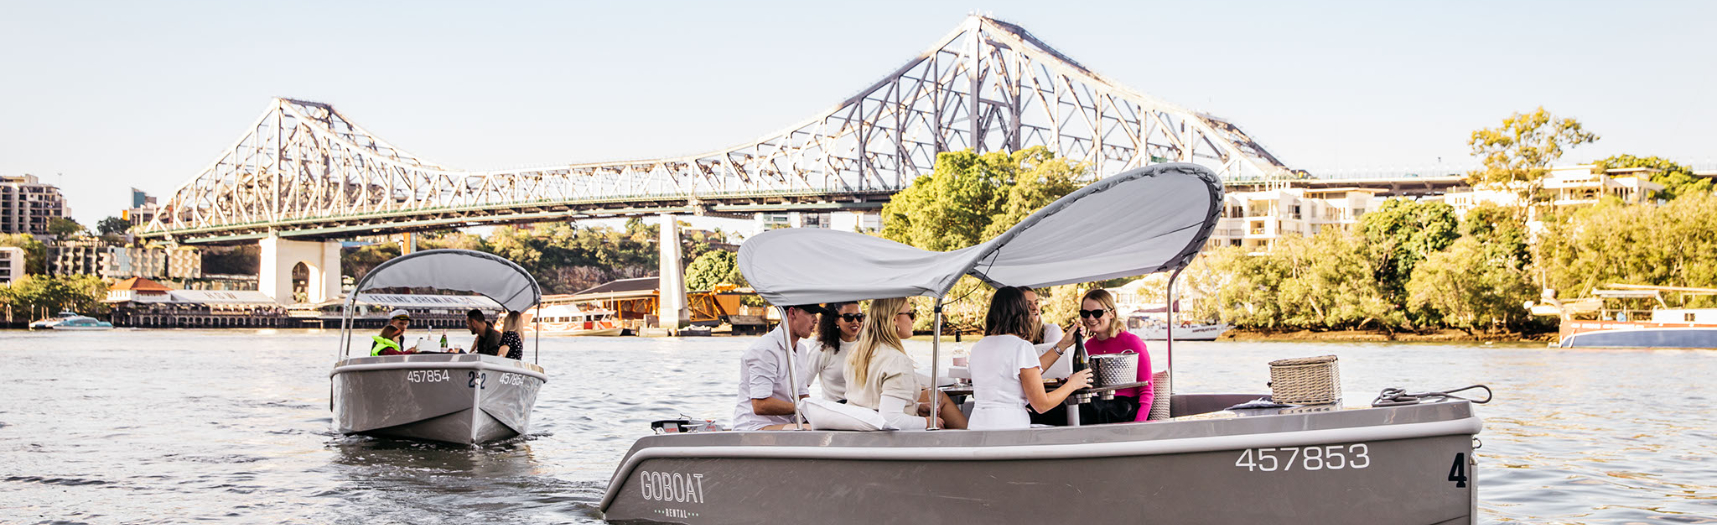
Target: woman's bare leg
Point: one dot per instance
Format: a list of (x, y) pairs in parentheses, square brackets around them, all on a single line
[(949, 412)]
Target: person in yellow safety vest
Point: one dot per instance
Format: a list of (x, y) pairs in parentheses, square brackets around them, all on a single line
[(391, 340)]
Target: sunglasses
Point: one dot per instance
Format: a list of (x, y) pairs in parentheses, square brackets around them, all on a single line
[(1098, 313), (852, 317), (909, 315)]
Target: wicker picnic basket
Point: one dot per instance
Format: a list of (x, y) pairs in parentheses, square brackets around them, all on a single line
[(1305, 380)]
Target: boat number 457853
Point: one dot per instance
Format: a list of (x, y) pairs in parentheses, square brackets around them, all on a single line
[(1328, 457)]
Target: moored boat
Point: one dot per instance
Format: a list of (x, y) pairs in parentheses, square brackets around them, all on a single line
[(1209, 462), (79, 323), (449, 397), (1662, 326), (572, 320), (47, 323)]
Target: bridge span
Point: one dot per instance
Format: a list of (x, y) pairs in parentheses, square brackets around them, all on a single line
[(304, 174)]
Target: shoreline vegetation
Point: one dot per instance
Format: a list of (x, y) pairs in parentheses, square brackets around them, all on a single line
[(1381, 336)]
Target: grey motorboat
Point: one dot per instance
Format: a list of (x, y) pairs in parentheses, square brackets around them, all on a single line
[(1211, 462), (448, 397)]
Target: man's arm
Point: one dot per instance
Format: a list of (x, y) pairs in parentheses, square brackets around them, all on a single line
[(771, 406)]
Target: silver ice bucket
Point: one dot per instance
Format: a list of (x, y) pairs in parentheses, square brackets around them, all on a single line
[(1114, 369)]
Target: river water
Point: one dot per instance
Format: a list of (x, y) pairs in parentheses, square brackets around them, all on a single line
[(171, 426)]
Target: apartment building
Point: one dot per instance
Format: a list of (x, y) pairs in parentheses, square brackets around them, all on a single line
[(26, 204), (1254, 220), (1568, 186), (11, 264), (94, 257)]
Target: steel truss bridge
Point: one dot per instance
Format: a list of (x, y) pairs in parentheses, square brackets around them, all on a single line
[(305, 171)]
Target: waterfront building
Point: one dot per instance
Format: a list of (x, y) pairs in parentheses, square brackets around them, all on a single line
[(145, 303), (11, 264), (850, 221), (370, 310), (75, 256), (91, 256), (1255, 219), (1568, 186), (26, 204)]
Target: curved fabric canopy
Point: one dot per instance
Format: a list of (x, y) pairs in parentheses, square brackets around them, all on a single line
[(457, 270), (1140, 221)]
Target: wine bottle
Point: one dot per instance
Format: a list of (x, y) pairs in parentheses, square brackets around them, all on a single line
[(1081, 360), (443, 339)]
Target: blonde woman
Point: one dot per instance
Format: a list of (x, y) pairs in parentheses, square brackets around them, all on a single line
[(1108, 335), (512, 345), (881, 377)]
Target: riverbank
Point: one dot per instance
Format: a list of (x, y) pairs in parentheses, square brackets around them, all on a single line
[(1380, 336)]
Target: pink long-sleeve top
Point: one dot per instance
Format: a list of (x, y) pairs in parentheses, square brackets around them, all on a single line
[(1120, 343)]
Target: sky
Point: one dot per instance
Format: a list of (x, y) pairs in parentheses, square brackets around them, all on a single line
[(98, 97)]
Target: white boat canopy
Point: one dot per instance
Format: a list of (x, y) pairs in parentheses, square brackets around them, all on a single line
[(1141, 221), (457, 270)]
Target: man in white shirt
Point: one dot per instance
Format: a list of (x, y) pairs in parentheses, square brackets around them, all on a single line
[(765, 401)]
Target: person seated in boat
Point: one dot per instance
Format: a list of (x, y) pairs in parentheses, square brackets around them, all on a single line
[(1007, 373), (767, 395), (1104, 333), (837, 334), (488, 341), (512, 345), (881, 377), (1047, 334), (391, 341)]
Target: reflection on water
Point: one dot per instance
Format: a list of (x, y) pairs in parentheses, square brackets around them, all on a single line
[(176, 426)]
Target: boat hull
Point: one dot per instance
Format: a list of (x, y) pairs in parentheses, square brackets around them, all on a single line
[(1184, 471), (1678, 337), (453, 398)]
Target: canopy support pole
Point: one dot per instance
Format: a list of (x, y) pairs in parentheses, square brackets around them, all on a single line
[(1169, 343), (345, 329), (537, 338), (935, 359), (792, 372)]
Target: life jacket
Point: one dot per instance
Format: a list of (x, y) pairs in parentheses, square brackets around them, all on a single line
[(383, 343)]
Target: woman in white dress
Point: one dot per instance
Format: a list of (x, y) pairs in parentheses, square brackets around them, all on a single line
[(881, 377), (1007, 372), (837, 335)]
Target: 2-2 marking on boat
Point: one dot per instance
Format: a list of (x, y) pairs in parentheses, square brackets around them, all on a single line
[(1316, 457)]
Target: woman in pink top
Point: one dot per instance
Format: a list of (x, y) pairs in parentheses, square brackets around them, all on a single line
[(1107, 334)]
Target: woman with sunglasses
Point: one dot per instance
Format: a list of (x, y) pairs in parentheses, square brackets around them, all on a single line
[(1107, 334), (837, 334), (881, 377), (1007, 372)]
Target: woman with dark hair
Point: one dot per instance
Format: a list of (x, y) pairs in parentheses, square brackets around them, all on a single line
[(1107, 334), (837, 334), (1007, 372)]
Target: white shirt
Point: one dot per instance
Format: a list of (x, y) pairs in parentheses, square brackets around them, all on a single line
[(999, 400), (1051, 334), (763, 374), (829, 368)]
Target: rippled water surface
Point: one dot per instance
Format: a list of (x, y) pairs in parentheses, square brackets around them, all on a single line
[(233, 426)]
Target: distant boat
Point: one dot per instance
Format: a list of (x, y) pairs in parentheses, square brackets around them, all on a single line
[(567, 319), (1662, 327), (69, 320), (82, 324), (1146, 324)]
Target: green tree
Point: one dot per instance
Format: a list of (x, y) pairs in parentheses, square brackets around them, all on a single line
[(1670, 245), (46, 295), (713, 268), (113, 226), (1676, 179), (1519, 153), (64, 227), (1400, 233), (35, 252), (1473, 286)]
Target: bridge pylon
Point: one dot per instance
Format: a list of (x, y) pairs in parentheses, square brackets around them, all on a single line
[(283, 260)]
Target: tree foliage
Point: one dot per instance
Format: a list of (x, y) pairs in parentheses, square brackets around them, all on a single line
[(1676, 179), (971, 198), (112, 226), (64, 227), (1670, 245), (1320, 282), (1519, 153), (715, 267), (35, 252), (1400, 233), (45, 295)]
